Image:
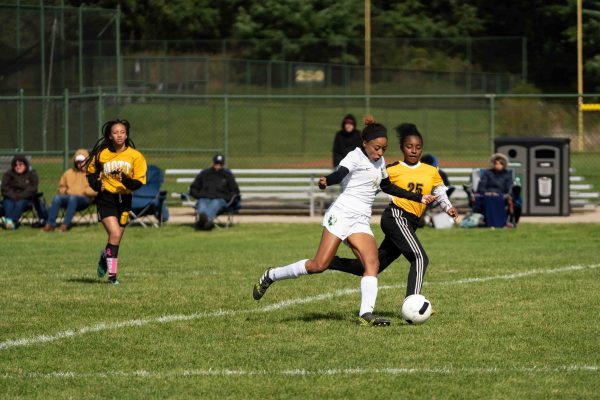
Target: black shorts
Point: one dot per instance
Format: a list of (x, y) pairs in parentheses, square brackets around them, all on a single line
[(113, 205)]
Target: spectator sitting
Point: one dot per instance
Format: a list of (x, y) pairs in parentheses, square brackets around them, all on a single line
[(346, 139), (213, 188), (19, 188), (494, 191), (74, 193)]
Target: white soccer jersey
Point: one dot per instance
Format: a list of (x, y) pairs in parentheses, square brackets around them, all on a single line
[(361, 184)]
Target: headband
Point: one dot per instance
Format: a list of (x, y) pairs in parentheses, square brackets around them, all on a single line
[(369, 135)]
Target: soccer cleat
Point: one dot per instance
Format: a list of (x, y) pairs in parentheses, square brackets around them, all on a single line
[(102, 267), (113, 281), (368, 319), (262, 285)]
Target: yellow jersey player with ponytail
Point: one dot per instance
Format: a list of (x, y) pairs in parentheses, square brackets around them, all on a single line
[(114, 169)]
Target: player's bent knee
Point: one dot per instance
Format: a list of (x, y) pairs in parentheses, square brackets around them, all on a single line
[(314, 267)]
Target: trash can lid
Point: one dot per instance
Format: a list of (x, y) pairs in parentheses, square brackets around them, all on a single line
[(531, 140)]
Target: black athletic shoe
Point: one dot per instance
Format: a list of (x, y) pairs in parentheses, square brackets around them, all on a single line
[(101, 270), (201, 221), (262, 285), (368, 319)]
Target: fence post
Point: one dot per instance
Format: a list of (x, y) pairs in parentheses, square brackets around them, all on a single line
[(258, 129), (100, 109), (80, 47), (523, 59), (118, 51), (269, 77), (42, 49), (226, 127), (492, 120), (66, 129), (21, 121), (469, 45), (303, 124)]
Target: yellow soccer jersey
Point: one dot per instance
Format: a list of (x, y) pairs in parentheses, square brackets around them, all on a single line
[(420, 178), (130, 161)]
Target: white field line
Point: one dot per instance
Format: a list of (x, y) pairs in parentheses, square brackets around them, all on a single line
[(11, 343), (561, 369)]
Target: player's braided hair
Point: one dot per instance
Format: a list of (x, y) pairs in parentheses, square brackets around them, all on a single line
[(104, 142), (407, 129)]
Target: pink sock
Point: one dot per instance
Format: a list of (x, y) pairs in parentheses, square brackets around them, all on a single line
[(111, 263)]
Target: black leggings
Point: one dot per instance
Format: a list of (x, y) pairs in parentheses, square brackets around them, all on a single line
[(399, 227)]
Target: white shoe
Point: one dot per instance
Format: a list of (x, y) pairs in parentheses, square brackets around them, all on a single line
[(8, 223)]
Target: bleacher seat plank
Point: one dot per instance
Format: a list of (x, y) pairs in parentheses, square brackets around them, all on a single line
[(284, 188)]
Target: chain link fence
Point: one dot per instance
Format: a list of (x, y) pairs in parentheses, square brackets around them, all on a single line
[(257, 131), (209, 75), (50, 48), (47, 49)]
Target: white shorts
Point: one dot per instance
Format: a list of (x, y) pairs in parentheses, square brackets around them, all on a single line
[(343, 224)]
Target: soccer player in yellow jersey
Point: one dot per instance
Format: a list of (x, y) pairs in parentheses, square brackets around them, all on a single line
[(400, 219), (114, 169)]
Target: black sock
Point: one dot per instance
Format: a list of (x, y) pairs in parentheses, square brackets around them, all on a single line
[(348, 265)]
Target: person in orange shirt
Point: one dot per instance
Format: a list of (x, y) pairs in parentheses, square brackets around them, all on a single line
[(114, 169), (74, 193)]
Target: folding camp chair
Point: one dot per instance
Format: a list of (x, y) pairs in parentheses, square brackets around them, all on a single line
[(35, 214), (147, 203), (87, 215), (233, 207)]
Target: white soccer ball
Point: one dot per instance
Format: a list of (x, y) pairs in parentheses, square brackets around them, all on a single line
[(416, 309)]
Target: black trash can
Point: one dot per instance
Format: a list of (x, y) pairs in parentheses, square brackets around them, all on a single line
[(542, 166)]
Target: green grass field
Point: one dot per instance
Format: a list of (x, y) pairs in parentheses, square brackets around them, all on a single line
[(516, 317)]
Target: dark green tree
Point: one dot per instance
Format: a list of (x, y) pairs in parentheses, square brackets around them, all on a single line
[(301, 30), (173, 19)]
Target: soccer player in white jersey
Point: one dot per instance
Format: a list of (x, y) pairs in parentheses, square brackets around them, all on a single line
[(362, 174)]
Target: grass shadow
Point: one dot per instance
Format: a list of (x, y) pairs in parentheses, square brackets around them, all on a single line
[(321, 316), (84, 279)]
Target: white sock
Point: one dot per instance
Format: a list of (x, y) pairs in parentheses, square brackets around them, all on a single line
[(368, 288), (291, 271)]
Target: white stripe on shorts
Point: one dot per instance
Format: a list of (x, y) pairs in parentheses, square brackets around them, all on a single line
[(402, 224)]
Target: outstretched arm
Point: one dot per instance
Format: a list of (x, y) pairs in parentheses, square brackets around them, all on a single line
[(334, 178), (388, 187), (440, 192)]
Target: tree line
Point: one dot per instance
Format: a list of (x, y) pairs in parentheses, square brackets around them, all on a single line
[(314, 30)]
